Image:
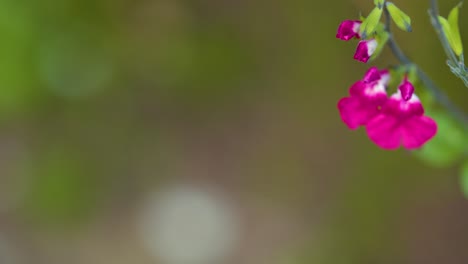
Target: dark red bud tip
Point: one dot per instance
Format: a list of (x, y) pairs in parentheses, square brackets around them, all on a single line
[(406, 89)]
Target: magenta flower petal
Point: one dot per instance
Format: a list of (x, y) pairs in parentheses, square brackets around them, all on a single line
[(367, 96), (385, 131), (365, 49), (417, 131), (390, 133), (397, 106), (372, 75), (401, 122), (355, 112), (348, 29), (358, 88), (375, 91)]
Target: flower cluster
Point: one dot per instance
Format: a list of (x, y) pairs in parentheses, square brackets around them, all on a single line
[(390, 122), (349, 29)]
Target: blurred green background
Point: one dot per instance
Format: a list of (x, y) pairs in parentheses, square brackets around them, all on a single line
[(198, 132)]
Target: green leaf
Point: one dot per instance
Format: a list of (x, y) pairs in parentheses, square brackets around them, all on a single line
[(454, 30), (447, 29), (370, 24), (382, 38), (402, 20), (379, 3), (464, 179), (447, 146)]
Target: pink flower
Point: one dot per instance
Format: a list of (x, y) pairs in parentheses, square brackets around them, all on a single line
[(349, 29), (365, 49), (367, 96), (401, 121)]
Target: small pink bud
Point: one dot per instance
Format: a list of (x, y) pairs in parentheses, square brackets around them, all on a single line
[(365, 49), (348, 29), (406, 89)]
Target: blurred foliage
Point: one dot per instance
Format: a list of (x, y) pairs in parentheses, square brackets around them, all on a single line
[(104, 101), (449, 144), (63, 187), (464, 178)]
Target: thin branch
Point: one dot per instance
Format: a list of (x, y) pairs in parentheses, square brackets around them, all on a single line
[(397, 52), (438, 94), (442, 98)]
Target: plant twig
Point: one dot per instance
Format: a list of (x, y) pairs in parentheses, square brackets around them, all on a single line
[(397, 52), (456, 65), (438, 94)]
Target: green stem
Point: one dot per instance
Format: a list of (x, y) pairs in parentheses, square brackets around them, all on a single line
[(397, 52)]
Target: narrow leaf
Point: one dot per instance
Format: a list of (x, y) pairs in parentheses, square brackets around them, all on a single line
[(402, 20), (447, 30), (382, 39), (455, 31), (370, 24)]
